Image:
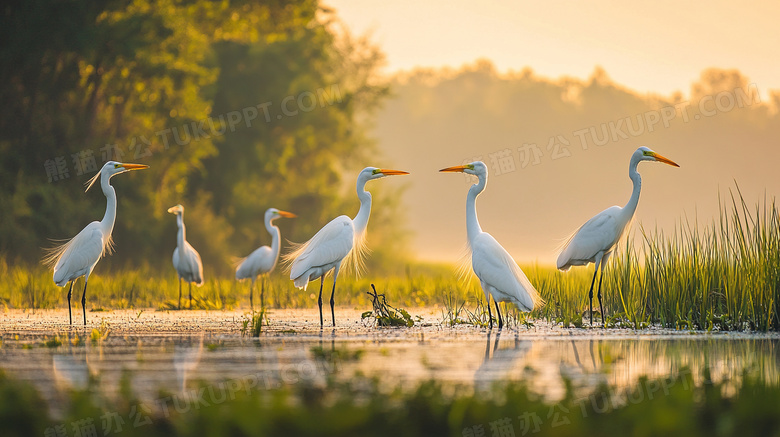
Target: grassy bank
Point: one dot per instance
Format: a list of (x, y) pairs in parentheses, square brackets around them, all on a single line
[(724, 276)]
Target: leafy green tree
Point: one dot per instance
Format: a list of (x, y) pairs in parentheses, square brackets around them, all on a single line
[(156, 82)]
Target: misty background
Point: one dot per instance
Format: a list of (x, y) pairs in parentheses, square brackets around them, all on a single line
[(724, 132), (292, 104)]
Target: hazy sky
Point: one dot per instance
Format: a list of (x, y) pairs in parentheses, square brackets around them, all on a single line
[(659, 46), (649, 47)]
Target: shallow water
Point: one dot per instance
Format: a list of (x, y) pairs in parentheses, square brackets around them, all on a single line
[(174, 351)]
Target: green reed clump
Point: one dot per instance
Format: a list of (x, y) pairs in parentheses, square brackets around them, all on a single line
[(723, 276), (252, 325)]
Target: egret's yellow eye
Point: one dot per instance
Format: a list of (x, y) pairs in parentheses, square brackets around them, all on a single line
[(648, 153), (117, 165), (376, 171)]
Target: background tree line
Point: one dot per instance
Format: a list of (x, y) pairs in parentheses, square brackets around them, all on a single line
[(155, 82)]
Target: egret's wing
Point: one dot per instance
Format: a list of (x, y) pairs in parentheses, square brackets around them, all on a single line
[(330, 244), (199, 279), (493, 265), (75, 257), (597, 234), (258, 262), (195, 264), (175, 259), (188, 264)]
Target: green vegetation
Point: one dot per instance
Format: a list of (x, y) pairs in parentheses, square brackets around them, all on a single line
[(385, 314), (252, 325), (725, 276), (668, 406), (237, 106)]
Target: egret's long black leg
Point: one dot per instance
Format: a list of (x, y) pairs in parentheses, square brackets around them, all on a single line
[(590, 294), (179, 292), (490, 314), (498, 311), (262, 292), (601, 307), (333, 292), (190, 289), (319, 301), (70, 290), (84, 301)]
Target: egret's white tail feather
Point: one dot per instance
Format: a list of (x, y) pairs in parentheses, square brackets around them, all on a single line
[(562, 263), (296, 249), (354, 259), (565, 241), (236, 261), (54, 254), (533, 294)]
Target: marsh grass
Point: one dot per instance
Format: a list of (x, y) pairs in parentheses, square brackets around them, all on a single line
[(723, 276), (252, 325)]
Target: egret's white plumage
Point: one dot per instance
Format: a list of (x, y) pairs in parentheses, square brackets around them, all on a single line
[(595, 241), (324, 251), (186, 260), (602, 231), (263, 260), (503, 278), (342, 238), (78, 256), (498, 273)]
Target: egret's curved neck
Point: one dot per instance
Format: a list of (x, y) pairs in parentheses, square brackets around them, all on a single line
[(472, 222), (182, 235), (361, 219), (636, 178), (274, 231), (110, 216)]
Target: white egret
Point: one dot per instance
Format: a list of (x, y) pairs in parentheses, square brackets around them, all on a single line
[(186, 260), (596, 239), (78, 257), (498, 273), (263, 260), (341, 238)]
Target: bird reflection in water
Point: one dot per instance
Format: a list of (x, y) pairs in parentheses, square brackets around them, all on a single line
[(498, 366), (185, 360)]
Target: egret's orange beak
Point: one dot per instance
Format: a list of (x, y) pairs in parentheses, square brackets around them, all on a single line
[(134, 166), (665, 160), (457, 168), (287, 214), (388, 172)]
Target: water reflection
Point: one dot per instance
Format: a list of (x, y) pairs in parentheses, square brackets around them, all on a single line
[(70, 371), (172, 363), (498, 366), (185, 360)]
